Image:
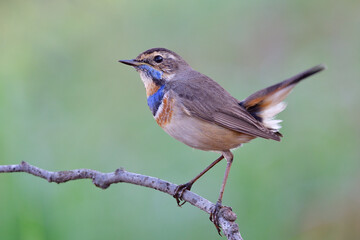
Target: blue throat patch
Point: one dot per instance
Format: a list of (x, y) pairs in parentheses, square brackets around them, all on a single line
[(152, 72), (155, 100)]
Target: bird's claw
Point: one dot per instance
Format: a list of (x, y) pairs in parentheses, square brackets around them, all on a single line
[(179, 191), (214, 216)]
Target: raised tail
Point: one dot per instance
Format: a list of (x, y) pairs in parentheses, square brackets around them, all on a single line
[(265, 104)]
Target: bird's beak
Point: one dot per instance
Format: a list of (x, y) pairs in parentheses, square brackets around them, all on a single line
[(131, 62)]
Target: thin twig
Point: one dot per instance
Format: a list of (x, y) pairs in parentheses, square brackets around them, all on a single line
[(104, 180)]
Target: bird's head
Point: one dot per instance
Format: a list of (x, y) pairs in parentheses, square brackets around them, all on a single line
[(157, 66)]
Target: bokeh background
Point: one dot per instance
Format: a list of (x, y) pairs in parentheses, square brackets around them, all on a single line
[(66, 103)]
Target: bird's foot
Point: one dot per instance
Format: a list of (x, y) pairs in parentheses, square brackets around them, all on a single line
[(179, 191), (214, 216)]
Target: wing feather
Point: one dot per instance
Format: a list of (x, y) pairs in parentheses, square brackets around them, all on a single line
[(205, 99)]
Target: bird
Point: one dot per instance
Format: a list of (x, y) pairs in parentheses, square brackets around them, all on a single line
[(197, 111)]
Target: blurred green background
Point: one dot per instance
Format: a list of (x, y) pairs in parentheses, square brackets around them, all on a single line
[(66, 103)]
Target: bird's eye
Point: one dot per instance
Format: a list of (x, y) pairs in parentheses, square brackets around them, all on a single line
[(158, 58)]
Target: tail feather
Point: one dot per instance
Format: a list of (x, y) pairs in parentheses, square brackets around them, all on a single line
[(265, 104)]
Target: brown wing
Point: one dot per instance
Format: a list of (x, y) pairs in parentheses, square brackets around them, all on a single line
[(207, 100)]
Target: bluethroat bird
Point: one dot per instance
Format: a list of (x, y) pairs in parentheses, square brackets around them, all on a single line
[(197, 111)]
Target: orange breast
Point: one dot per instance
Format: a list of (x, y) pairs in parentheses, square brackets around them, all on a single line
[(165, 111), (151, 89)]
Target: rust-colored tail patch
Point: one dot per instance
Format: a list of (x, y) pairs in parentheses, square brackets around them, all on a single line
[(266, 103)]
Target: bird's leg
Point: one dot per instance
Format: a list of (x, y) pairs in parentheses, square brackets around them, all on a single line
[(215, 212), (179, 191)]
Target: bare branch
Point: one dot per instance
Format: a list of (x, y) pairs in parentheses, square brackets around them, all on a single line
[(104, 180)]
